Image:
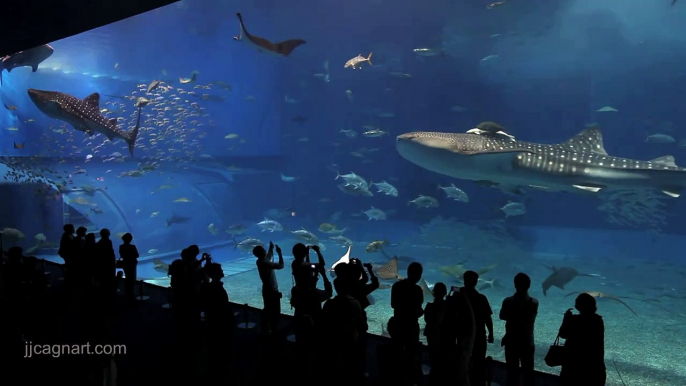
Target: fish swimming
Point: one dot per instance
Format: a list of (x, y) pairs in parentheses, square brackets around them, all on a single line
[(560, 277), (283, 48), (176, 219), (357, 61), (578, 165), (83, 114), (28, 58)]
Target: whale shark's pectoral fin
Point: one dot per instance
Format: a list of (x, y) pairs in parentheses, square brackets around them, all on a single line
[(505, 188), (34, 67), (286, 47), (589, 188), (504, 134)]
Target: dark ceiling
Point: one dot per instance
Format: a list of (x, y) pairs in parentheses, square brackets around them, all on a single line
[(29, 23)]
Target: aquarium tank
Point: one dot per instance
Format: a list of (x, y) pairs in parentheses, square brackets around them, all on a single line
[(501, 137)]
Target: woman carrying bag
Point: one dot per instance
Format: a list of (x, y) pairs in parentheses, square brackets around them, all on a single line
[(583, 355)]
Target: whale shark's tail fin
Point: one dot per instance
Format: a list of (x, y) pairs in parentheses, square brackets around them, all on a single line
[(131, 141)]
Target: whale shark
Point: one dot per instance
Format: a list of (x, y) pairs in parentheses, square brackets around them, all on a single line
[(578, 165), (283, 48), (31, 58), (83, 114)]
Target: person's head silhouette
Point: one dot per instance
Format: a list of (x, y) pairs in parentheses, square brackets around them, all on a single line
[(470, 278), (585, 304), (414, 272), (522, 282)]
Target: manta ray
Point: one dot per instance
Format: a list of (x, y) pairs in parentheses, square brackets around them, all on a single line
[(283, 48), (578, 165)]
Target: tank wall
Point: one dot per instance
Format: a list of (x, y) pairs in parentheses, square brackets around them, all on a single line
[(114, 59)]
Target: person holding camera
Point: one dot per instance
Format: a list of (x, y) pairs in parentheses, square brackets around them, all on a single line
[(271, 296), (185, 282), (584, 336), (306, 300)]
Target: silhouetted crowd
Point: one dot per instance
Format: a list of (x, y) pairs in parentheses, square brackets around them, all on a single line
[(330, 322)]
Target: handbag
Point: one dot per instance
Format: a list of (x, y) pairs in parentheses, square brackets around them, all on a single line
[(556, 354)]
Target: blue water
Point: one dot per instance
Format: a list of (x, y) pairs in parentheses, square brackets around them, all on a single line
[(215, 157)]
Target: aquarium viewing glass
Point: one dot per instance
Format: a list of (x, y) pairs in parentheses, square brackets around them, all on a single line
[(585, 96)]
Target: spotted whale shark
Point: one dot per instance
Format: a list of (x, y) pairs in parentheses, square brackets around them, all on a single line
[(27, 58), (579, 165), (83, 114)]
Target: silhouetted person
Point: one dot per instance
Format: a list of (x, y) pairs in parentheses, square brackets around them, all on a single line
[(300, 259), (271, 297), (220, 323), (458, 331), (344, 323), (106, 265), (306, 300), (395, 362), (89, 260), (433, 316), (407, 299), (185, 283), (584, 336), (66, 250), (129, 256), (363, 283), (80, 265), (483, 322), (519, 313)]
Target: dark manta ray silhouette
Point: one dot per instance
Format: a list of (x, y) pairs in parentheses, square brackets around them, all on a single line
[(560, 277), (284, 48)]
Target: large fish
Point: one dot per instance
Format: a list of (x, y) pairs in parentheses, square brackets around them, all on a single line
[(27, 58), (83, 114), (283, 48), (578, 165)]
